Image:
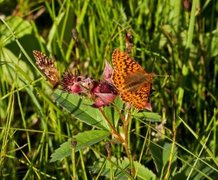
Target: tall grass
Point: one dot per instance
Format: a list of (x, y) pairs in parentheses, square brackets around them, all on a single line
[(179, 45)]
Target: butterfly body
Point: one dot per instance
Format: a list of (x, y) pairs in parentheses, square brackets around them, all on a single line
[(131, 81)]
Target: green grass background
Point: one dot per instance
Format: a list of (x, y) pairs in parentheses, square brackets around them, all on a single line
[(178, 43)]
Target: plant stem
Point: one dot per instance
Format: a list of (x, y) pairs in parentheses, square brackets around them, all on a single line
[(114, 132), (126, 124), (172, 149)]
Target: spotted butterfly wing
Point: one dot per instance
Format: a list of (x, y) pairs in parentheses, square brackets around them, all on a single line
[(47, 66), (130, 79)]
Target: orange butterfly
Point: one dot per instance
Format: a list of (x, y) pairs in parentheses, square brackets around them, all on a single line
[(131, 80)]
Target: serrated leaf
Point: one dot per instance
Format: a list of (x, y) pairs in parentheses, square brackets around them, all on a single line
[(84, 139), (143, 172), (63, 151), (120, 169), (81, 108)]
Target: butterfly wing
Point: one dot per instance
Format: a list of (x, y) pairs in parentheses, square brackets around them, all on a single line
[(124, 66), (140, 98), (122, 62), (132, 82), (46, 65)]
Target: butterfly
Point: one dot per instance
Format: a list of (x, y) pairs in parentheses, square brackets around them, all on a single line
[(47, 66), (132, 82)]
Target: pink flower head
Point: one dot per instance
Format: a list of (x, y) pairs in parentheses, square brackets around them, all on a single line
[(104, 91), (104, 94), (108, 70), (76, 84)]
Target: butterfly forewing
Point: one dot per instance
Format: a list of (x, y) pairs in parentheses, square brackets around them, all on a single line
[(46, 65), (132, 82), (122, 62)]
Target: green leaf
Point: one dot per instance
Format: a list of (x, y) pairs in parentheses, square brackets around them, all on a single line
[(120, 169), (14, 69), (18, 26), (161, 152), (80, 108), (84, 139), (143, 172), (63, 151)]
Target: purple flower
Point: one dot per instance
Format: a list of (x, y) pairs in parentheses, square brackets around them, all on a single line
[(108, 71), (76, 84), (102, 92)]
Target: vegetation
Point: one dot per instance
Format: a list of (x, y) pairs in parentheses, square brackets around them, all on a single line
[(48, 133)]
